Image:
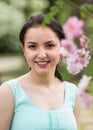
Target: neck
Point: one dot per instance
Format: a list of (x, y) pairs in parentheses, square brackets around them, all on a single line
[(42, 79)]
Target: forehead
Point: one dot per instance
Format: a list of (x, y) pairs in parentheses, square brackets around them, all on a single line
[(40, 32)]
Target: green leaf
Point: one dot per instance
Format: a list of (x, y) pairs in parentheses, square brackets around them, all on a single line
[(83, 7), (47, 19), (59, 4), (90, 7), (87, 7), (83, 14), (54, 10)]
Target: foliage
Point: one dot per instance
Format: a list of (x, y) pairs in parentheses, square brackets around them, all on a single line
[(86, 9), (11, 21), (12, 16), (54, 10)]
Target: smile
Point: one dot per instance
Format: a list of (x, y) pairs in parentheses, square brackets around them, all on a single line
[(42, 64)]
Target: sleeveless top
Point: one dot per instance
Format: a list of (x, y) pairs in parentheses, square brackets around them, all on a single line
[(28, 116)]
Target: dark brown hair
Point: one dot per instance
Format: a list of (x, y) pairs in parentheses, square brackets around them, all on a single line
[(38, 20)]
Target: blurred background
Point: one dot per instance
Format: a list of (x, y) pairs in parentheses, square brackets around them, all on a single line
[(13, 15)]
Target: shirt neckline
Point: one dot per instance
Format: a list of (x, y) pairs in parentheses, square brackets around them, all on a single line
[(40, 108)]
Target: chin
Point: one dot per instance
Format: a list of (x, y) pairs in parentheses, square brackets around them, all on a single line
[(43, 72)]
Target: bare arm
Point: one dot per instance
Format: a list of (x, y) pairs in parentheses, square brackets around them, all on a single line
[(6, 107)]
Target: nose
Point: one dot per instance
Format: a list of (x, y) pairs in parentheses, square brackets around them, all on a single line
[(41, 53)]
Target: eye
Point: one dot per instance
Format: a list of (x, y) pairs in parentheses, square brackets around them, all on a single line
[(50, 45), (32, 46)]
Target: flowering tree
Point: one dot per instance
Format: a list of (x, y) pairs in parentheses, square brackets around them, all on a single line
[(77, 55)]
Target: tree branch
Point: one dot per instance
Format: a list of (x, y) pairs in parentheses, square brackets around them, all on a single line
[(77, 7)]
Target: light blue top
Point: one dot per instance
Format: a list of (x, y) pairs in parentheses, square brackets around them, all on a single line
[(28, 116)]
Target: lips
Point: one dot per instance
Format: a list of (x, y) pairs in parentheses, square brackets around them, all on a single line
[(42, 64)]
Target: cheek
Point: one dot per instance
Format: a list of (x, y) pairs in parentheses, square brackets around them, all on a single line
[(57, 52), (55, 56), (28, 56)]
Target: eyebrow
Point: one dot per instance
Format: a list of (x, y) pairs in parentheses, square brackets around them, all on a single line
[(37, 43)]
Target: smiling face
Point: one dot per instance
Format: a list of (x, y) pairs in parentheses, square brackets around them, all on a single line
[(41, 49)]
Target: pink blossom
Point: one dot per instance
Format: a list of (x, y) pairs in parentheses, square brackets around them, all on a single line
[(83, 56), (77, 57), (73, 27), (83, 84), (77, 61), (87, 101), (73, 66), (63, 53), (69, 45), (83, 91), (84, 41)]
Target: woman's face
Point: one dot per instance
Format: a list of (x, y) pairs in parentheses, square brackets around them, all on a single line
[(41, 49)]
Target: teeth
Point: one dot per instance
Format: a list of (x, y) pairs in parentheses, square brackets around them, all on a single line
[(42, 62)]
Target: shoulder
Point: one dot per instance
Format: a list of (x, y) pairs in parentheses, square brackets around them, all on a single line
[(5, 88), (5, 92), (6, 106), (70, 86), (71, 92)]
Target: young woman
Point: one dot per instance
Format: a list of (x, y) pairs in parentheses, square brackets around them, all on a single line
[(40, 99)]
